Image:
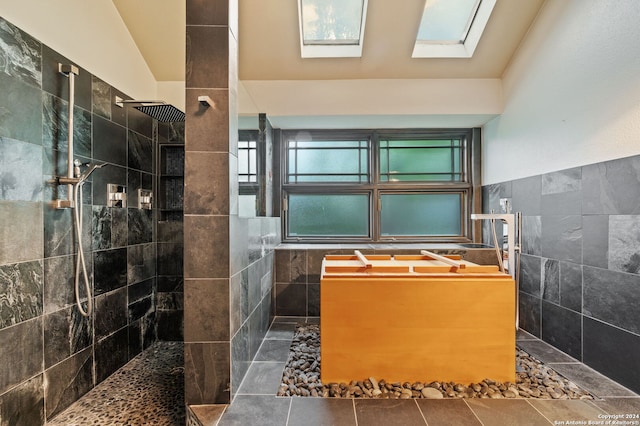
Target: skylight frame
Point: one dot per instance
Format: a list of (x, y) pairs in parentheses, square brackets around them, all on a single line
[(332, 48), (466, 49)]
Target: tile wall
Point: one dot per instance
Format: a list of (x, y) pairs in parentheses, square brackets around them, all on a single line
[(50, 354), (580, 267), (228, 260)]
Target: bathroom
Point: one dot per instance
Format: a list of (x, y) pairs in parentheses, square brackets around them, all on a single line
[(558, 129)]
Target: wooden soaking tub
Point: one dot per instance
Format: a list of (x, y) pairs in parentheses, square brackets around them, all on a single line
[(415, 318)]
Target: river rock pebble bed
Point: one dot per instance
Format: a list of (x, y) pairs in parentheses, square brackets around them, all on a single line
[(301, 377)]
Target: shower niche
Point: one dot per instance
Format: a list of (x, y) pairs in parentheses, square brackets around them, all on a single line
[(171, 185)]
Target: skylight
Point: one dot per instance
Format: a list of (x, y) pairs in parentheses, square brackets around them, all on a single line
[(451, 28), (331, 28)]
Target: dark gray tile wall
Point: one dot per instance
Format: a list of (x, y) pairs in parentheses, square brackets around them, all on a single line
[(43, 338), (580, 268)]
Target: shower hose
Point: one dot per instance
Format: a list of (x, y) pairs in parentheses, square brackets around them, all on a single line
[(80, 262)]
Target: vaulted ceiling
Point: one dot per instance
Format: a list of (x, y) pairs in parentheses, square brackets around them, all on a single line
[(269, 46)]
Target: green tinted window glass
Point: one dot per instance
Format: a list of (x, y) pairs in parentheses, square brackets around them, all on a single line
[(421, 214), (327, 161), (420, 160), (328, 214)]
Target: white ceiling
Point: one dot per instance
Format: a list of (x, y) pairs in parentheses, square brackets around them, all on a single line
[(270, 62)]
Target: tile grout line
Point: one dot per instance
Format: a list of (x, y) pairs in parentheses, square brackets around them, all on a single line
[(289, 411), (420, 411), (355, 413), (540, 412), (472, 412)]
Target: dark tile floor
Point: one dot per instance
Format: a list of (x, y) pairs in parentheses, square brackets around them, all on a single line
[(149, 391), (256, 404)]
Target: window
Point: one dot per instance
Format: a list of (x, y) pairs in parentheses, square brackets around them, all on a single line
[(451, 28), (331, 28), (383, 185), (248, 171)]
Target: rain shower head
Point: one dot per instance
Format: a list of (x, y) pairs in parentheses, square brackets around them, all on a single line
[(162, 112), (159, 110)]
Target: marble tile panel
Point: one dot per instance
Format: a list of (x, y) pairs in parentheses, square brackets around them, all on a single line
[(140, 154), (170, 232), (15, 158), (110, 270), (65, 333), (58, 84), (206, 310), (111, 353), (207, 61), (101, 97), (58, 232), (58, 283), (170, 301), (612, 187), (564, 203), (526, 196), (26, 345), (24, 404), (506, 412), (571, 286), (273, 350), (281, 331), (562, 238), (20, 110), (313, 300), (210, 13), (613, 352), (24, 239), (238, 244), (170, 325), (207, 129), (170, 284), (68, 381), (207, 255), (542, 351), (235, 304), (563, 181), (111, 312), (589, 379), (595, 240), (207, 373), (282, 266), (291, 299), (266, 316), (612, 297), (256, 409), (255, 294), (550, 280), (134, 181), (240, 359), (140, 308), (298, 265), (322, 412), (530, 309), (256, 334), (135, 338), (140, 290), (150, 334), (55, 133), (119, 227), (140, 226), (118, 114), (447, 411), (562, 328), (21, 292), (207, 183), (624, 243), (139, 122), (531, 275), (101, 227), (263, 378), (141, 263), (20, 54), (388, 411), (109, 142), (170, 259), (561, 411)]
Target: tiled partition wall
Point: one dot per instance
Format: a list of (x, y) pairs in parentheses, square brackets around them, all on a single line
[(580, 282), (51, 355), (227, 259)]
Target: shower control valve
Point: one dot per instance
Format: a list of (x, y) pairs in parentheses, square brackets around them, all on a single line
[(116, 195)]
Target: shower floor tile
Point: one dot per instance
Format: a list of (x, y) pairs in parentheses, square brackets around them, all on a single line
[(149, 390)]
